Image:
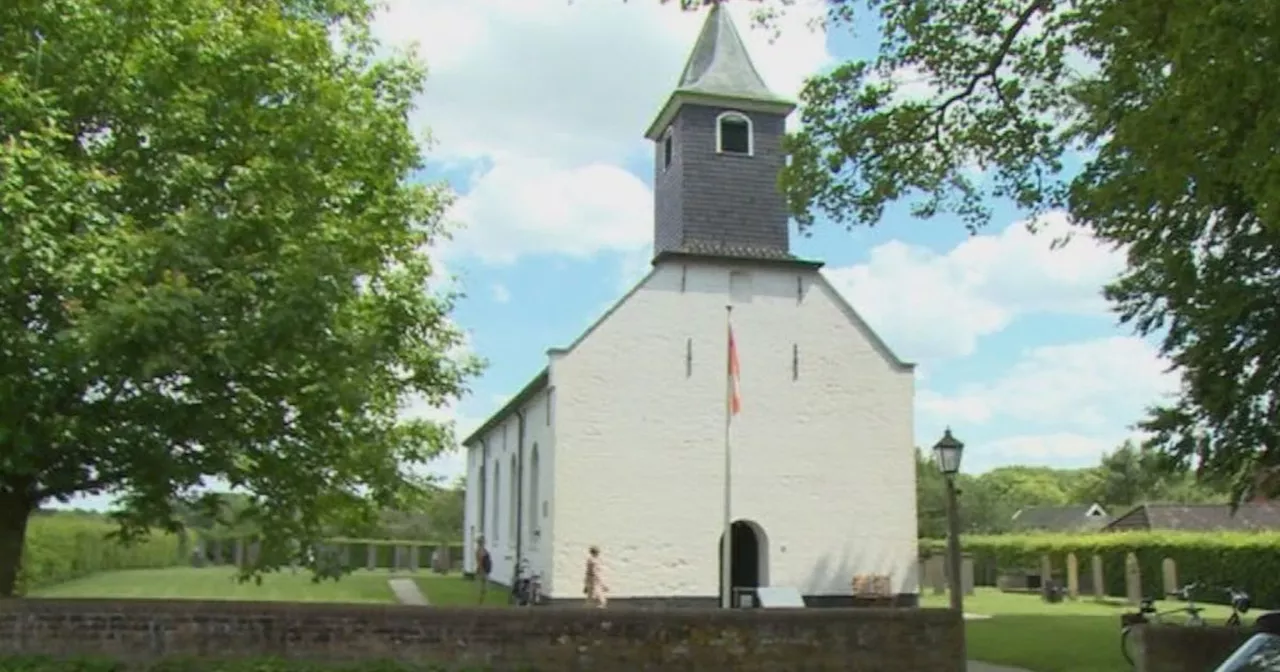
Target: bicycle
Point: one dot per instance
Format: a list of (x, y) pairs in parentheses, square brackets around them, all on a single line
[(526, 589), (1239, 606), (1147, 613)]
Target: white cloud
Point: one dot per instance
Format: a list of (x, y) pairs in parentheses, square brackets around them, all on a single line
[(1088, 386), (556, 95), (500, 293), (1058, 449), (931, 306), (530, 207), (1070, 403)]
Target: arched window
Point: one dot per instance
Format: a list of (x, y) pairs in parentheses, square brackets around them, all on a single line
[(484, 529), (535, 512), (497, 488), (512, 501), (734, 134)]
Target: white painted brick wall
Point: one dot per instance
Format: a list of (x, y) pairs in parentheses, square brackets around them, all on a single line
[(823, 463)]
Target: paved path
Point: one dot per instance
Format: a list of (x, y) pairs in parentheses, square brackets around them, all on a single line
[(406, 591), (975, 666)]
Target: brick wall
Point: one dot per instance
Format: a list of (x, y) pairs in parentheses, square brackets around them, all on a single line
[(885, 640), (1171, 648)]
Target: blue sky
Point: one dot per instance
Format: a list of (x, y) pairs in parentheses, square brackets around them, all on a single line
[(536, 110)]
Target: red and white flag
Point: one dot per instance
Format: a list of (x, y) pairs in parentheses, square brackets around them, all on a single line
[(735, 394)]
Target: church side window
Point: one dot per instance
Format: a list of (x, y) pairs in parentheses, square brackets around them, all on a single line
[(497, 490), (667, 149), (483, 500), (734, 134), (534, 498), (512, 502)]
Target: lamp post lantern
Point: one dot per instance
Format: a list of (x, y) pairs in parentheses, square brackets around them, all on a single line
[(947, 453)]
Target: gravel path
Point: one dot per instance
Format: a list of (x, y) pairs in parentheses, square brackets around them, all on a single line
[(975, 666), (406, 591)]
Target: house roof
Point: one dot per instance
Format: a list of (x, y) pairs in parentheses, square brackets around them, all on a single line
[(719, 70), (1199, 517), (529, 391), (1072, 517)]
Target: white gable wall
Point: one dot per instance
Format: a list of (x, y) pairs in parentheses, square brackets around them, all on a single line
[(823, 463), (496, 518)]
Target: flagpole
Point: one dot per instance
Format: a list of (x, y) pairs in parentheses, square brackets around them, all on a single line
[(726, 549)]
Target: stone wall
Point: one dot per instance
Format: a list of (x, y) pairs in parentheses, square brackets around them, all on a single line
[(1172, 648), (885, 640)]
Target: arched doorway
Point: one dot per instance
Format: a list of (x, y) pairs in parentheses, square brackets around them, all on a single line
[(749, 549)]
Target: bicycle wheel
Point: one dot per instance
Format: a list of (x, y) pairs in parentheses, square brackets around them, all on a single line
[(1126, 642)]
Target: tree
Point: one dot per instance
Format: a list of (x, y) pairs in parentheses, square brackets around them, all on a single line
[(1171, 111), (213, 265), (1133, 474)]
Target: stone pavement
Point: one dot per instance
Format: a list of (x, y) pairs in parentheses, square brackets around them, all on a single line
[(406, 591), (975, 666)]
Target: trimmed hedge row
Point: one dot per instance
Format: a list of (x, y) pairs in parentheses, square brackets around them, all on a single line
[(1247, 561), (64, 546), (44, 664), (384, 555)]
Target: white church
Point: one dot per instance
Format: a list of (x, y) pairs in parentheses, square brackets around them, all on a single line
[(619, 442)]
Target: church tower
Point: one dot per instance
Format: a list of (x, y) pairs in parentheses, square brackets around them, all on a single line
[(718, 154)]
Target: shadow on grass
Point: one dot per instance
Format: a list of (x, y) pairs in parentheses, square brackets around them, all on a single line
[(1044, 643)]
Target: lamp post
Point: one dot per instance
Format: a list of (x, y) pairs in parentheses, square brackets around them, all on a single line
[(947, 452)]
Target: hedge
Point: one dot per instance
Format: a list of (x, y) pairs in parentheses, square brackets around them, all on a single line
[(384, 553), (64, 546), (47, 664), (1247, 561)]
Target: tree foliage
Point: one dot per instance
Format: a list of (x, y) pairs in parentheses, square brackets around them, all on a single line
[(212, 265), (1127, 476), (1171, 112)]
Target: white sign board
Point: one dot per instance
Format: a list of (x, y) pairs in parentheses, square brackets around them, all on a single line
[(779, 597)]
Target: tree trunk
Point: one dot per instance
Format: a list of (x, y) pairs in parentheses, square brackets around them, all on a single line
[(15, 511)]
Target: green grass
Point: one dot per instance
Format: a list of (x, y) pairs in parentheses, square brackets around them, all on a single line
[(454, 591), (1025, 631), (219, 583)]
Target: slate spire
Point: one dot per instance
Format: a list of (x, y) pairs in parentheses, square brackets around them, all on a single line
[(720, 65), (719, 70)]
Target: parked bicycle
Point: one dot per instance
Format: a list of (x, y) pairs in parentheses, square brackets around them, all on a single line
[(1147, 613), (526, 588), (1239, 606)]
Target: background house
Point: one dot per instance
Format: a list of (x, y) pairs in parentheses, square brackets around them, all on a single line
[(1072, 518), (1252, 517)]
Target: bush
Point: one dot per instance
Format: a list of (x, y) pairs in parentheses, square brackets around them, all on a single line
[(63, 546), (1247, 561)]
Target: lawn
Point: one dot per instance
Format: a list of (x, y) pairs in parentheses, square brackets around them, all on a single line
[(1024, 631), (219, 583), (454, 591)]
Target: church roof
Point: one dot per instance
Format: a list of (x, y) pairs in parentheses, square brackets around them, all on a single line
[(727, 250), (720, 70), (720, 64)]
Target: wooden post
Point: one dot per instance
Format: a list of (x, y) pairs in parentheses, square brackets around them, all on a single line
[(371, 556)]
